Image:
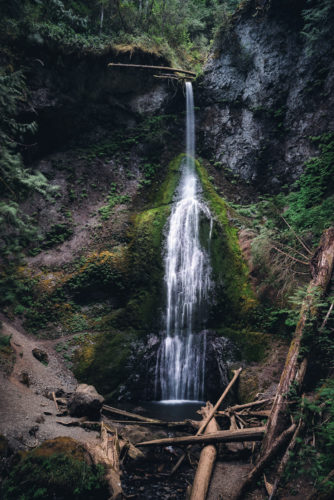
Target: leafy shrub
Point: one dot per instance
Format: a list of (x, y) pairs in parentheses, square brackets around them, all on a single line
[(318, 23), (314, 454), (5, 340), (55, 476), (311, 208)]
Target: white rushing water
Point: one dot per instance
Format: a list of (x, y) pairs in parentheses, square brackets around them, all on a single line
[(181, 357)]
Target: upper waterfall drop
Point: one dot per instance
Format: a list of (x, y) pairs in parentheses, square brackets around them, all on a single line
[(181, 357)]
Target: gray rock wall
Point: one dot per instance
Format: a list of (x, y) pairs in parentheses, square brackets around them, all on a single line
[(262, 97)]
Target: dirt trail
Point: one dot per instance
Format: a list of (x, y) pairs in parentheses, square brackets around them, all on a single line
[(27, 415)]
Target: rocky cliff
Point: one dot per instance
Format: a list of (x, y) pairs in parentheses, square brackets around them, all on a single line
[(262, 96)]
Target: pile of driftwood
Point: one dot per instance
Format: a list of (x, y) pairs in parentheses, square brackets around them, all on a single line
[(245, 421)]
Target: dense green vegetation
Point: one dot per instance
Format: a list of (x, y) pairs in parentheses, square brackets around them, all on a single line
[(287, 226), (58, 468), (177, 28), (318, 21)]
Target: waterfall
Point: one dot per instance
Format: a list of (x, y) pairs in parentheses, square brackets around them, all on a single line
[(181, 358)]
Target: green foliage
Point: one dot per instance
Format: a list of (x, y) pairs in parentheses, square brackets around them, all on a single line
[(58, 233), (235, 297), (173, 27), (103, 360), (5, 340), (318, 24), (311, 208), (15, 180), (284, 224), (314, 453), (58, 475), (252, 345), (113, 199)]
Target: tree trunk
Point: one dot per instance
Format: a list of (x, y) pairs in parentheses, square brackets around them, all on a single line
[(249, 434), (294, 370), (263, 462), (206, 461)]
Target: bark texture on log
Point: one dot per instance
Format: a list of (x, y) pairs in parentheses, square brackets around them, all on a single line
[(294, 370), (250, 434), (206, 461), (106, 452)]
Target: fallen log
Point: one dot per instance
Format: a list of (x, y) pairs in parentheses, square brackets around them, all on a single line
[(106, 452), (77, 423), (145, 66), (206, 461), (210, 415), (294, 370), (133, 416), (162, 423), (249, 405), (263, 462), (260, 413), (249, 434)]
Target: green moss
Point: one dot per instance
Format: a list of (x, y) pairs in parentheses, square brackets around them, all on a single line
[(248, 387), (104, 270), (165, 193), (58, 468), (102, 361), (252, 345), (234, 294), (145, 252)]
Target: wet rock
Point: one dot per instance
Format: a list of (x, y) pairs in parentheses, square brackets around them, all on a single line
[(41, 355), (85, 402), (143, 363)]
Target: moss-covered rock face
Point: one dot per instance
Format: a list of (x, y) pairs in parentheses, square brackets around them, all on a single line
[(103, 360), (252, 346), (59, 468), (234, 297)]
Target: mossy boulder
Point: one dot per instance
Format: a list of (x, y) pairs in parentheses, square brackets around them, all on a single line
[(252, 346), (102, 360), (60, 468)]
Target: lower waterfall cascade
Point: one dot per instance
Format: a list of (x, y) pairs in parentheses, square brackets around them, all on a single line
[(180, 366)]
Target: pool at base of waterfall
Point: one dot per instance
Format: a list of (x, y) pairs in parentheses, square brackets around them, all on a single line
[(169, 410)]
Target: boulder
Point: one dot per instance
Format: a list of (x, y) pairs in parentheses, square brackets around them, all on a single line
[(41, 355), (85, 402)]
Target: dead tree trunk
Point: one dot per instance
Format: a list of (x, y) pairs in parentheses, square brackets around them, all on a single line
[(265, 460), (206, 461), (106, 452), (294, 370), (249, 434)]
